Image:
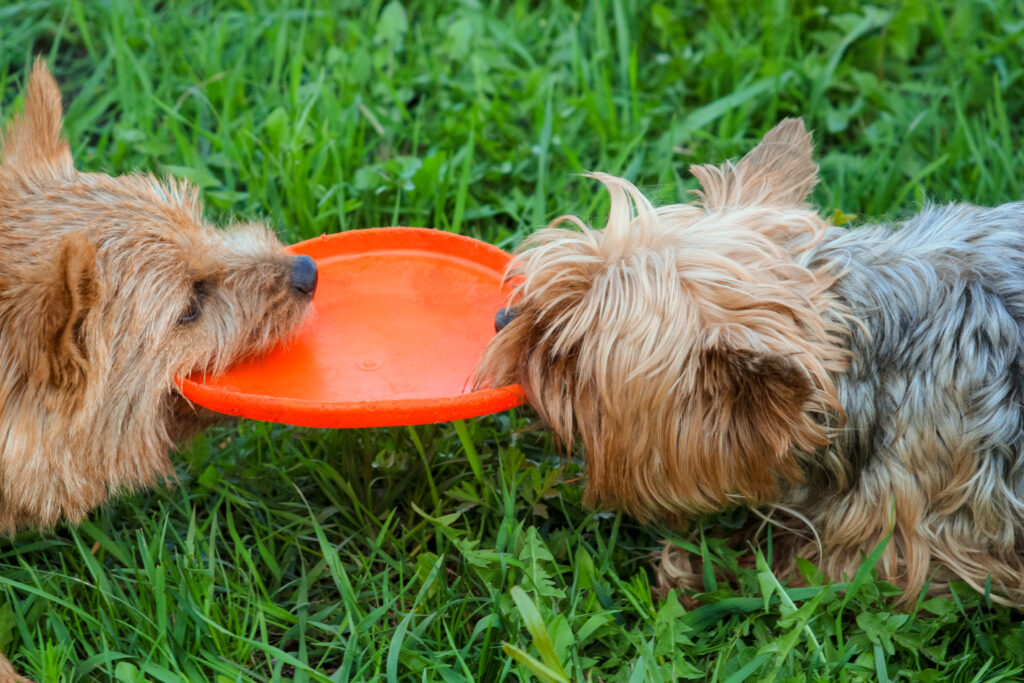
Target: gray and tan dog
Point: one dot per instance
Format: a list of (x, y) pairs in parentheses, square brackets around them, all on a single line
[(109, 288), (739, 351)]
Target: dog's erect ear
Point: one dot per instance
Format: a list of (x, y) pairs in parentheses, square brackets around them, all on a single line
[(73, 294), (33, 139), (779, 171)]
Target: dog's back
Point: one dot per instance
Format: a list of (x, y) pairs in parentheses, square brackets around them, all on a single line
[(935, 390)]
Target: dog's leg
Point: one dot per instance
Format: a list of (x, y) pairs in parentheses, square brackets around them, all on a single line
[(989, 567), (8, 674), (186, 419), (679, 569), (676, 568)]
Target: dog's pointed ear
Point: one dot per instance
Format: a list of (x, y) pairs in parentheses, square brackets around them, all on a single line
[(33, 139), (753, 409), (72, 296), (780, 170)]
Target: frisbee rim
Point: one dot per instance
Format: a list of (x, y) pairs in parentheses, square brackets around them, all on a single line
[(369, 413)]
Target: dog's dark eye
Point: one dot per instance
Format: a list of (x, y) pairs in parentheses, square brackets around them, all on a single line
[(195, 304)]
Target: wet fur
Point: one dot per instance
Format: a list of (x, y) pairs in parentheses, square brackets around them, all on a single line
[(740, 351)]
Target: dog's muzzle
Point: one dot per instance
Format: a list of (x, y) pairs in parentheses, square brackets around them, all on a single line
[(503, 317)]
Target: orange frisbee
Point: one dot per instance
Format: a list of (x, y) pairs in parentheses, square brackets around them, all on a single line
[(399, 319)]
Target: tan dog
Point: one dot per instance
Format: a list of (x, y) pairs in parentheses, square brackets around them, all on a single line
[(109, 288)]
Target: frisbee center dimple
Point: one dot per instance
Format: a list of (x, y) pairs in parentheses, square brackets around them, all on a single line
[(370, 364)]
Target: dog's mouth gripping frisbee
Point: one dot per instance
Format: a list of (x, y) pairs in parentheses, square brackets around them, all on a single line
[(400, 317)]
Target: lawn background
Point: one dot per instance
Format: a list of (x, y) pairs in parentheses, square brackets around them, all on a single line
[(384, 555)]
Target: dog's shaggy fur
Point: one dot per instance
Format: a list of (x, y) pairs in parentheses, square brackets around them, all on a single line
[(109, 289), (740, 351)]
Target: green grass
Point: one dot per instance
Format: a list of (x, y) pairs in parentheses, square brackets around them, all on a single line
[(289, 554)]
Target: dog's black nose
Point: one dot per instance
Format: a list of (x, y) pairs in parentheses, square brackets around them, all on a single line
[(503, 317), (304, 275)]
